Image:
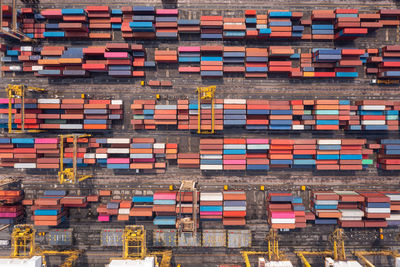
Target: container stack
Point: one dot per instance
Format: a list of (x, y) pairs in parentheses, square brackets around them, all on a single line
[(115, 155), (280, 23), (257, 155), (322, 24), (165, 208), (324, 204), (165, 115), (119, 59), (251, 23), (189, 160), (326, 113), (167, 23), (234, 212), (350, 214), (183, 114), (234, 57), (281, 115), (234, 28), (142, 206), (166, 56), (376, 208), (256, 62), (211, 206), (211, 154), (258, 112), (143, 114), (389, 154), (389, 66), (74, 23), (143, 22), (100, 20), (142, 153), (211, 62), (394, 219), (234, 157), (304, 153), (328, 154), (234, 112), (299, 212), (189, 26), (211, 27), (189, 59), (281, 153), (187, 205), (48, 211), (11, 209), (280, 212), (124, 210)]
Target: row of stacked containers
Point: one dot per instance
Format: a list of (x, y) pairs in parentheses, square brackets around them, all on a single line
[(284, 210), (80, 114), (148, 22), (61, 114), (130, 60), (368, 115), (215, 154)]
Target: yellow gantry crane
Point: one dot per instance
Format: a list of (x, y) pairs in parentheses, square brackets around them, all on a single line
[(14, 32), (338, 252), (134, 247), (23, 246), (274, 254), (206, 93), (18, 91), (187, 224), (70, 175)]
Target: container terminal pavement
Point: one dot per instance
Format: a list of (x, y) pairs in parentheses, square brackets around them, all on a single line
[(199, 133)]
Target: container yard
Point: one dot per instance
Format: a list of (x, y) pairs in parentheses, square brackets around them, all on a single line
[(179, 133)]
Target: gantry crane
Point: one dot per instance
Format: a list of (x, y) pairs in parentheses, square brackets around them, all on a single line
[(14, 32), (206, 93), (361, 254), (338, 250), (187, 224), (18, 91), (274, 254), (135, 248), (23, 246), (70, 175)]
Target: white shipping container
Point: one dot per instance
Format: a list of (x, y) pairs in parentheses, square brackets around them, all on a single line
[(71, 126), (146, 262), (261, 26), (350, 218), (26, 48), (283, 220), (211, 167), (352, 212), (36, 68), (377, 210), (211, 196), (397, 262), (235, 101), (141, 156), (373, 122), (373, 107), (15, 68), (118, 140), (24, 165), (159, 145), (35, 261), (165, 107), (329, 142), (278, 264), (89, 156), (393, 197), (234, 146), (233, 208), (116, 102), (297, 127), (347, 193), (118, 150), (211, 156), (101, 156), (124, 211), (326, 202), (48, 101), (193, 111), (262, 146)]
